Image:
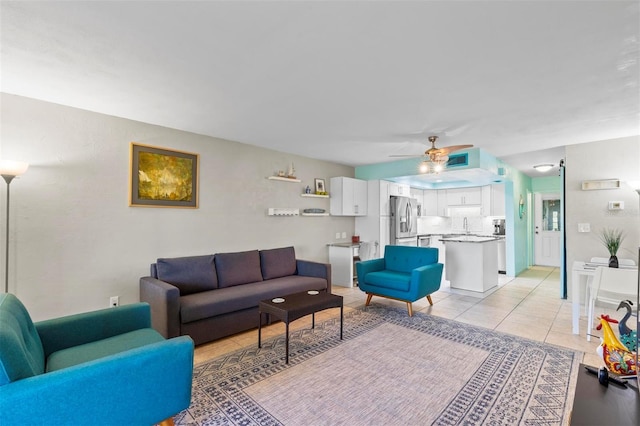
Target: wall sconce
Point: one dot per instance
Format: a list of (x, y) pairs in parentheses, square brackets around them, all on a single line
[(521, 207)]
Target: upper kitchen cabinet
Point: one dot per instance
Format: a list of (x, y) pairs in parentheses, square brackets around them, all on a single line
[(348, 197), (497, 200), (399, 189), (464, 196)]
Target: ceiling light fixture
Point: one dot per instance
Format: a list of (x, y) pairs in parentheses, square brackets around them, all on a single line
[(439, 162), (543, 167)]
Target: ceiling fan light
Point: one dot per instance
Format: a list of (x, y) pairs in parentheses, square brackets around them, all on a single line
[(543, 167), (424, 167), (438, 168)]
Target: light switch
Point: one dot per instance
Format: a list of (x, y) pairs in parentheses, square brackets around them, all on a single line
[(344, 235), (616, 205), (584, 227)]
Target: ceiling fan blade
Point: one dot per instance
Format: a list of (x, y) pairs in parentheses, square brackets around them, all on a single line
[(448, 149)]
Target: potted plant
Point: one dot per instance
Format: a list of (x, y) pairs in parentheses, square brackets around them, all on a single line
[(612, 239)]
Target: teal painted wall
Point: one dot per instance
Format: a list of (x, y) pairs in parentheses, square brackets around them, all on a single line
[(518, 232), (546, 184)]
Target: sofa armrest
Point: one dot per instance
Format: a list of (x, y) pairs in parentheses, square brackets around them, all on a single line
[(140, 386), (363, 267), (315, 269), (73, 330), (164, 299), (426, 280)]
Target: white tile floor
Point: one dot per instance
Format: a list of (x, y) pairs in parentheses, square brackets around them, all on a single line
[(528, 306)]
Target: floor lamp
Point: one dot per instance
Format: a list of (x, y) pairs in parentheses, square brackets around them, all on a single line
[(9, 170)]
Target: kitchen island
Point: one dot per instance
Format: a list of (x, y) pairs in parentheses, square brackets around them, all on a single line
[(472, 262)]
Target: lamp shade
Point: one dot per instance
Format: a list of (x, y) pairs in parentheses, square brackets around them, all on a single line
[(12, 168)]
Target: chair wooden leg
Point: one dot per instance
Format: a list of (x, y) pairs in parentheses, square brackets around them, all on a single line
[(167, 422), (410, 308), (429, 299), (369, 296)]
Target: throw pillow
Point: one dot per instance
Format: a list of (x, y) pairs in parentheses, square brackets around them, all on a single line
[(191, 274), (276, 263), (238, 268)]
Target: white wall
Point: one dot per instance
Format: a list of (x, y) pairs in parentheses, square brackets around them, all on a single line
[(74, 240), (619, 159)]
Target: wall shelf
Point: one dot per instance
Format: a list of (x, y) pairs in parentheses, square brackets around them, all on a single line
[(275, 211), (283, 179), (314, 195)]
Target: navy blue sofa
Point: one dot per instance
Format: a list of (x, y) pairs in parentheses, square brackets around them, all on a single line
[(213, 296)]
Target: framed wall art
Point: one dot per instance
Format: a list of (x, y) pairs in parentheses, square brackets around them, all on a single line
[(161, 177)]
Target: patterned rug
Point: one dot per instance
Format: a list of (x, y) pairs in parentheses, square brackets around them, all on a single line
[(389, 369)]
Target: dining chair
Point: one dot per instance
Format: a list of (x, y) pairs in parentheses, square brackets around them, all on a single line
[(611, 285), (603, 261)]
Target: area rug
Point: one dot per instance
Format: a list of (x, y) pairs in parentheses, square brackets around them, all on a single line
[(390, 369)]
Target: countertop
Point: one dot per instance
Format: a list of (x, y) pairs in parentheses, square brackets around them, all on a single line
[(347, 245), (469, 239), (455, 236)]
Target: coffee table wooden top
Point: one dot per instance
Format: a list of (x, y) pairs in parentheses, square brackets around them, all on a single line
[(298, 305)]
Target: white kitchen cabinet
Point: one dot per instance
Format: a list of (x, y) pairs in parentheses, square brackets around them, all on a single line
[(376, 226), (341, 258), (464, 196), (418, 195), (497, 200), (378, 198), (430, 203), (399, 189), (348, 196), (443, 208)]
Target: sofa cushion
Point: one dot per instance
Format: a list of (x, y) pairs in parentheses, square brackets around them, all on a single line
[(232, 299), (102, 348), (276, 263), (21, 352), (191, 274), (389, 279), (238, 268)]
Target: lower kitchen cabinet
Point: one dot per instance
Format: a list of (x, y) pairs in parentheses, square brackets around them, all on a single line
[(341, 258)]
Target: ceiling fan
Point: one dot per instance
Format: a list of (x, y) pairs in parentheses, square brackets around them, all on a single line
[(437, 156)]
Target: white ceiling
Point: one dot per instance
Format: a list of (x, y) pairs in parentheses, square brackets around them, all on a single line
[(344, 81)]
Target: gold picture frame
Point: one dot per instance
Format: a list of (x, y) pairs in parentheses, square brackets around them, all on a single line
[(161, 177)]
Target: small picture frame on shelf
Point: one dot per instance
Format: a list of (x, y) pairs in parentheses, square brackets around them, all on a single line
[(320, 186)]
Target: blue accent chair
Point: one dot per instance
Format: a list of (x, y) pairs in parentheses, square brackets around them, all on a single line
[(102, 367), (405, 273)]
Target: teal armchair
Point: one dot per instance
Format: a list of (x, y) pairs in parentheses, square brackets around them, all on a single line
[(102, 367), (405, 273)]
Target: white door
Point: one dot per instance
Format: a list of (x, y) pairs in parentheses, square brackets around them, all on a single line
[(547, 229)]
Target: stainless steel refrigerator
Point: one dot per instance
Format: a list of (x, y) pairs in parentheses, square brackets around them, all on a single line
[(404, 221)]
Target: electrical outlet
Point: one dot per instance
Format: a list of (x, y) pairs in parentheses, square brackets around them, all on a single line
[(344, 235), (337, 235), (114, 301)]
